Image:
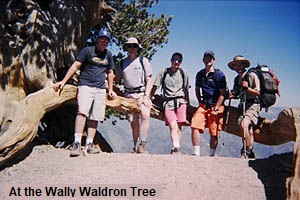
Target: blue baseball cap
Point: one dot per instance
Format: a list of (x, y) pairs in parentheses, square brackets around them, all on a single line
[(209, 53), (104, 33)]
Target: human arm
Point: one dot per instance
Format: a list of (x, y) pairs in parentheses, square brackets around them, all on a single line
[(198, 95), (153, 90), (74, 67), (252, 91), (146, 98), (110, 77), (254, 88), (222, 87), (219, 101)]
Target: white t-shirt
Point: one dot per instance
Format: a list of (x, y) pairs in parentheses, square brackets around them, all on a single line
[(133, 73)]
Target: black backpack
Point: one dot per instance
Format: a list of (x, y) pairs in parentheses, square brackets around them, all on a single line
[(268, 85)]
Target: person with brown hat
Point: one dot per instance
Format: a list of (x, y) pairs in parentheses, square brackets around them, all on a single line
[(247, 89), (136, 72), (210, 89)]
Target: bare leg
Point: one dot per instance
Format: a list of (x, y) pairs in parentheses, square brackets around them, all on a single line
[(135, 131), (92, 126), (145, 122), (79, 123), (213, 142)]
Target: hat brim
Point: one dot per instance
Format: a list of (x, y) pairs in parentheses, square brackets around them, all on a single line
[(125, 45), (103, 36), (245, 62)]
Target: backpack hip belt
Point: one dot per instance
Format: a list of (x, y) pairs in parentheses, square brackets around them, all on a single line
[(139, 89), (166, 100), (208, 103), (253, 101)]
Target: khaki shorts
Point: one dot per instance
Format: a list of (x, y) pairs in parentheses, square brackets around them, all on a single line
[(145, 110), (91, 102), (203, 118), (251, 113)]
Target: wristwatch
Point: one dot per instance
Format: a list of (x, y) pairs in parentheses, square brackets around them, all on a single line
[(216, 109)]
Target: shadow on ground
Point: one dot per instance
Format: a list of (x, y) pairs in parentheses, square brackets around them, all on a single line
[(273, 172)]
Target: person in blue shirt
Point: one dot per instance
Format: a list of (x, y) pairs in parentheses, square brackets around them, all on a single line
[(210, 89), (94, 63)]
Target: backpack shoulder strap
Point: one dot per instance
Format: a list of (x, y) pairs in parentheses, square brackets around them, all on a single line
[(183, 77), (121, 64), (215, 75), (163, 79), (141, 58)]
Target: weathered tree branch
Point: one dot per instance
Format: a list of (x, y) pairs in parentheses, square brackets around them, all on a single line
[(33, 108)]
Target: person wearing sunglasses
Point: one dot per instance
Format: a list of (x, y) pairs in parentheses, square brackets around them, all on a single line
[(174, 82), (210, 89), (94, 63), (136, 73)]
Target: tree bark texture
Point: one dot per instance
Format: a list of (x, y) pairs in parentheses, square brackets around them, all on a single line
[(39, 41)]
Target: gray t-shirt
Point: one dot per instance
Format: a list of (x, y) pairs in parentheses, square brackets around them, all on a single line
[(133, 73), (173, 85)]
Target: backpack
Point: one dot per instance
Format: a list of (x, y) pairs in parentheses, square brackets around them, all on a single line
[(215, 79), (215, 75), (164, 99), (268, 85), (165, 74)]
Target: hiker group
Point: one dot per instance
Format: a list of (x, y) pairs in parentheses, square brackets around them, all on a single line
[(211, 90)]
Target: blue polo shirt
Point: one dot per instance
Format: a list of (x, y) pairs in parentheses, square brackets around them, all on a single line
[(211, 85)]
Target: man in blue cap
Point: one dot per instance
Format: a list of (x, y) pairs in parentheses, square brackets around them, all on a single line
[(94, 62)]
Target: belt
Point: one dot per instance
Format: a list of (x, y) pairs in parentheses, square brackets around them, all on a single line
[(252, 101), (172, 99), (139, 89)]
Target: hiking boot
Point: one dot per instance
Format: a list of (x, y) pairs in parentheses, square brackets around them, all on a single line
[(76, 149), (175, 151), (133, 150), (91, 149), (141, 147), (248, 153)]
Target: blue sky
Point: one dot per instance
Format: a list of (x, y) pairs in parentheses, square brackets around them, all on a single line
[(265, 32)]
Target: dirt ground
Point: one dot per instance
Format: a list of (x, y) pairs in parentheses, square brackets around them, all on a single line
[(176, 177)]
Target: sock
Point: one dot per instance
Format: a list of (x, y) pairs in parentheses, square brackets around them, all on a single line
[(212, 152), (89, 140), (143, 137), (197, 150), (176, 145), (77, 137)]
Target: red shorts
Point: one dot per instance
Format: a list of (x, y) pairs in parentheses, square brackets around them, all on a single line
[(204, 119), (179, 115)]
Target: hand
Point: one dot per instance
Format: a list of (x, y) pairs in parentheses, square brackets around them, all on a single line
[(146, 101), (245, 84), (230, 95), (112, 94), (59, 85), (214, 113)]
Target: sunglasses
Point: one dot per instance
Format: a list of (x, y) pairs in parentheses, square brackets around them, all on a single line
[(103, 40), (176, 59), (132, 46)]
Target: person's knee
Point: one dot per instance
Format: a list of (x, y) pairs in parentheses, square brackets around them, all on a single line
[(92, 123)]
